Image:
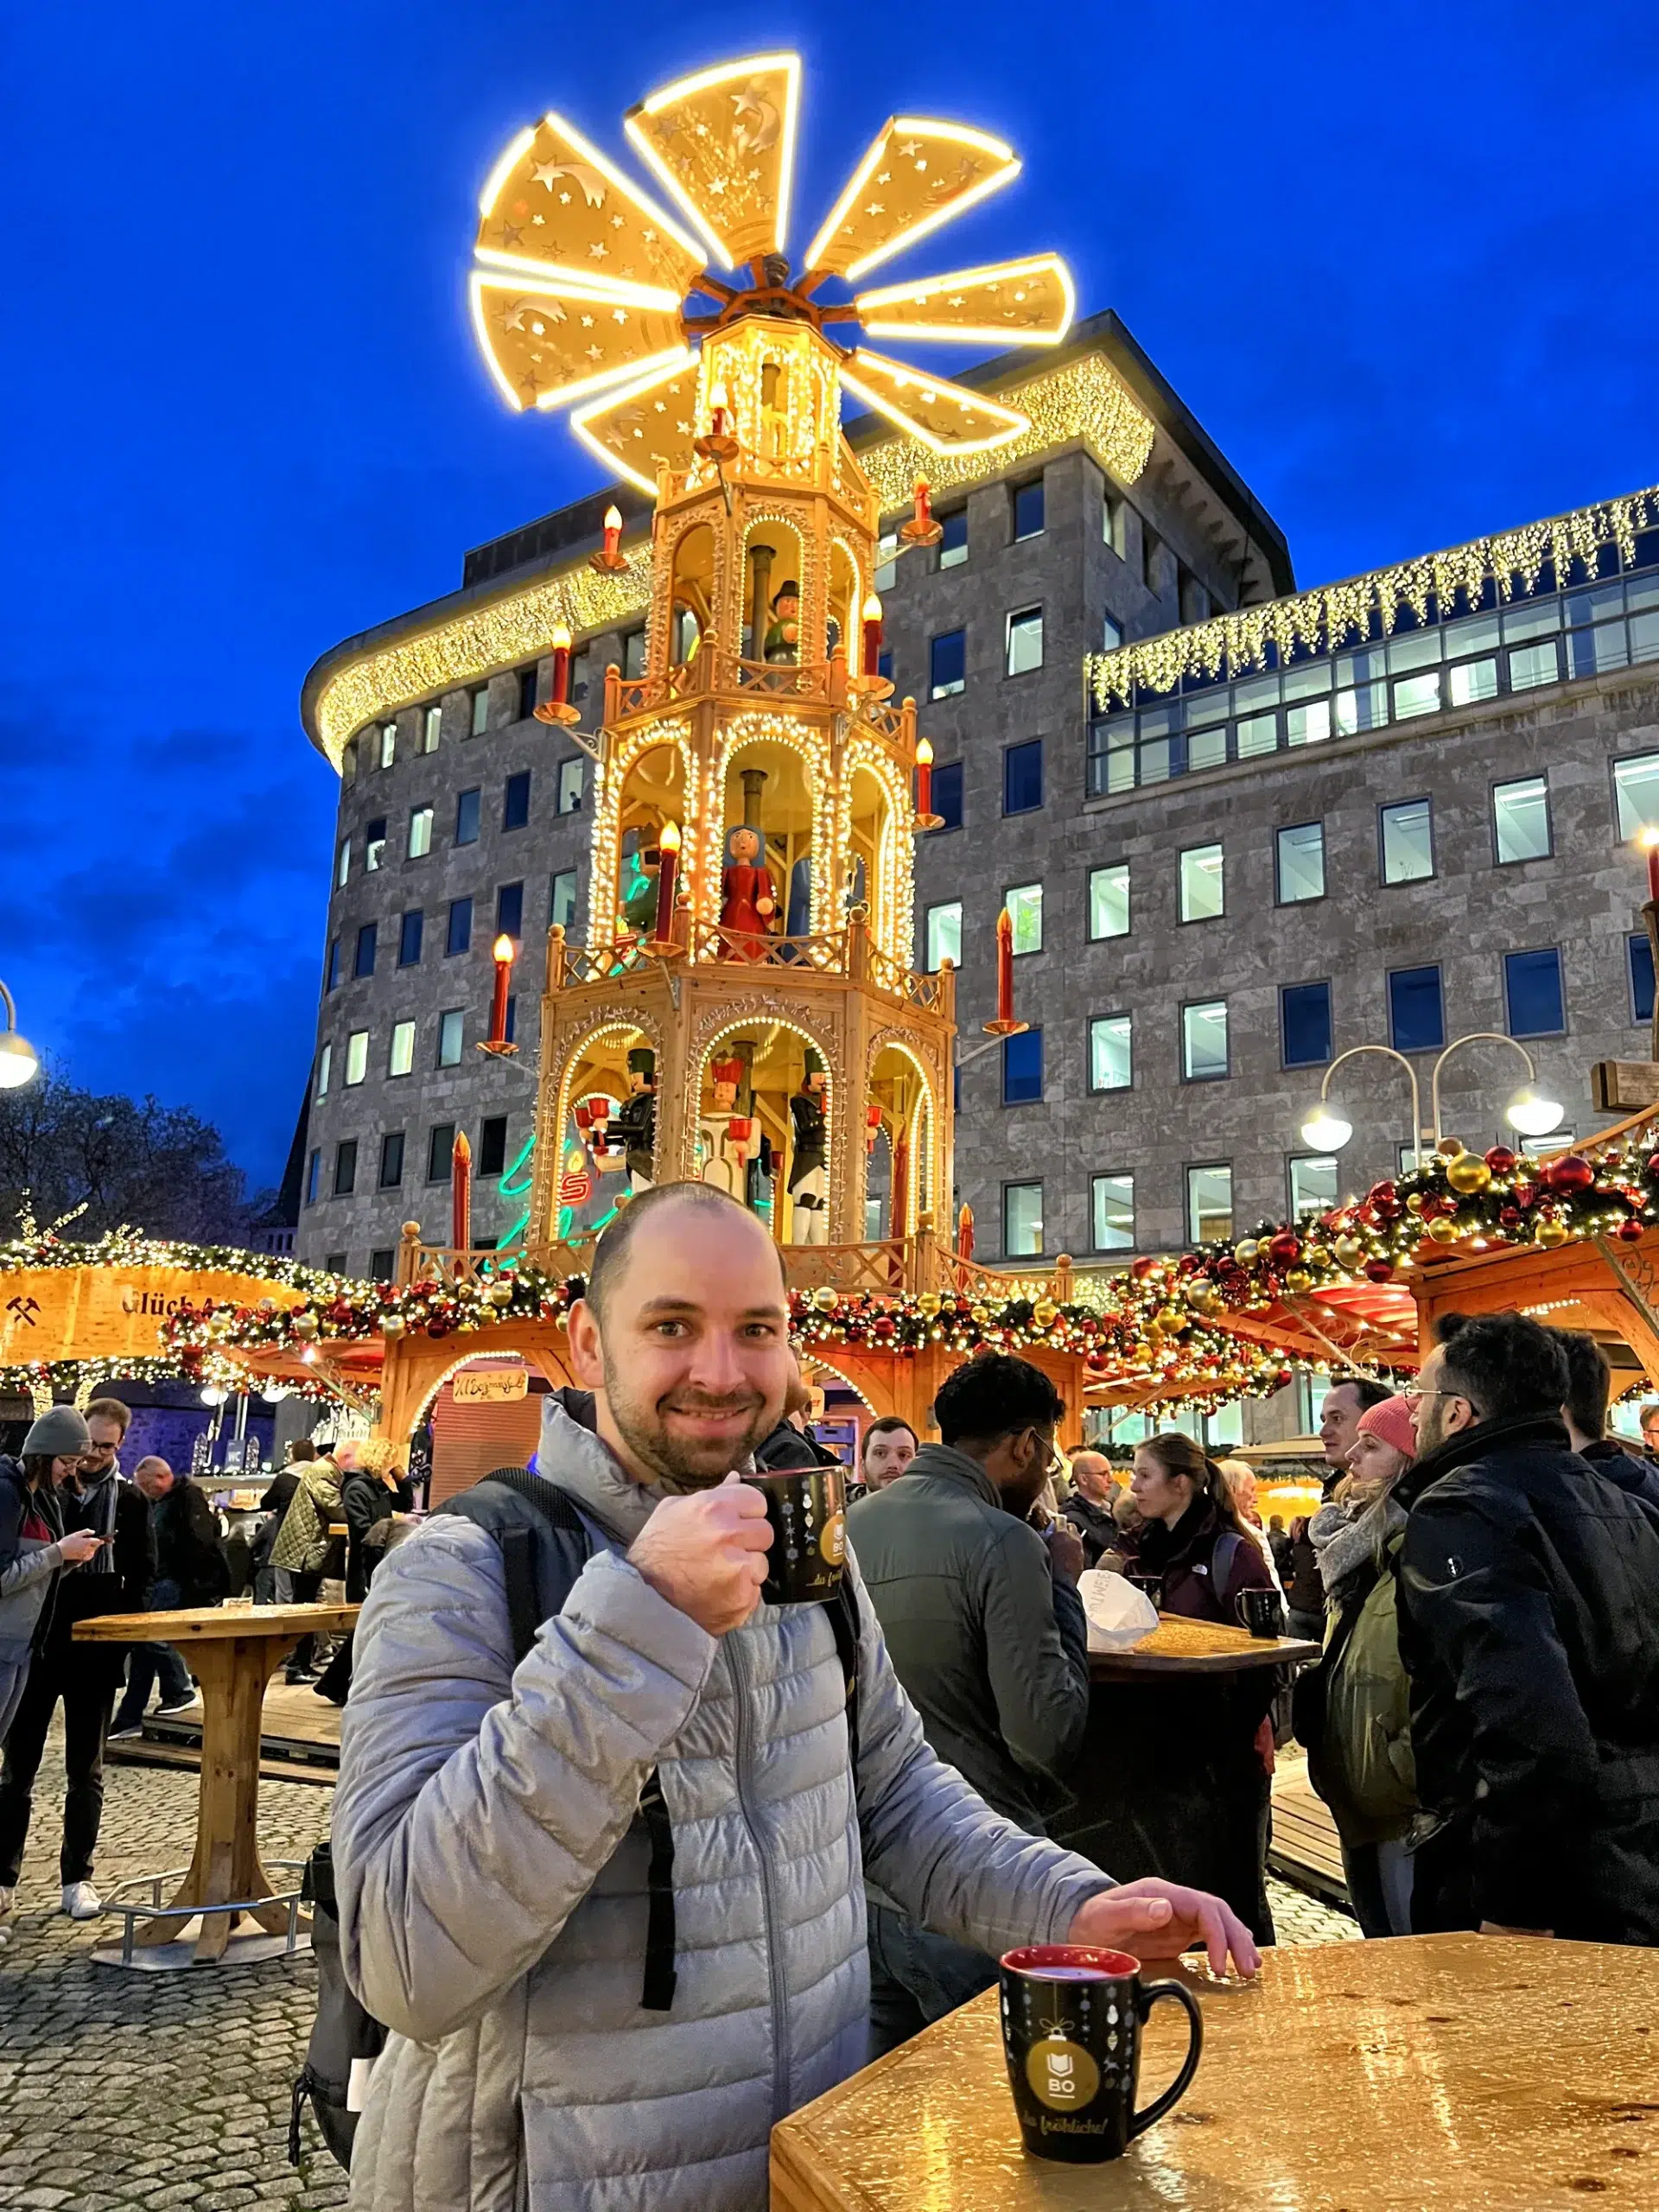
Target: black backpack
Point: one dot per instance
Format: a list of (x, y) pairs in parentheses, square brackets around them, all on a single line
[(545, 1543)]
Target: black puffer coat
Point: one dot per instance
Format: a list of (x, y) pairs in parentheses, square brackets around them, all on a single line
[(1529, 1611)]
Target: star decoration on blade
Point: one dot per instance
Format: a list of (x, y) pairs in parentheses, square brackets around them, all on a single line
[(561, 229)]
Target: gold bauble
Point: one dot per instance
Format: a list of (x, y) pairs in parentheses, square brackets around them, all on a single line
[(825, 1298), (305, 1325), (1245, 1252), (1141, 1355), (392, 1327), (500, 1291), (981, 1315), (1549, 1234), (1348, 1249), (928, 1302), (1468, 1173), (1449, 1148), (1414, 1202), (1044, 1313), (1298, 1280), (1442, 1231), (1170, 1321)]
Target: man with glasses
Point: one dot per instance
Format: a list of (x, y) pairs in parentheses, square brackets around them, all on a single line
[(1529, 1602), (86, 1676), (986, 1632)]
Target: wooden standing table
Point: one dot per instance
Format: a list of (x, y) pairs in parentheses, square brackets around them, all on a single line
[(1168, 1781), (1433, 2074), (233, 1652)]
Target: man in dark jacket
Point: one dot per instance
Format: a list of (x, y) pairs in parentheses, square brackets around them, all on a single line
[(986, 1633), (1529, 1609), (189, 1570), (116, 1579), (1590, 1381), (1089, 1509)]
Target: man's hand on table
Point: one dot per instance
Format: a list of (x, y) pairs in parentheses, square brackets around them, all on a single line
[(1155, 1919)]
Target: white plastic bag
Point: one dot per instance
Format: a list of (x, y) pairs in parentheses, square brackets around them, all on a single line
[(1118, 1614)]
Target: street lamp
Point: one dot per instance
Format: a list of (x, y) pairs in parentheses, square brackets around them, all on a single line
[(19, 1062), (1530, 1112)]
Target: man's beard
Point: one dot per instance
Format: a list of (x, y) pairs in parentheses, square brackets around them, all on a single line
[(1430, 1434), (683, 1465)]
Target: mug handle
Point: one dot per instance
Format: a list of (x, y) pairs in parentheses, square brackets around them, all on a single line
[(1145, 1999)]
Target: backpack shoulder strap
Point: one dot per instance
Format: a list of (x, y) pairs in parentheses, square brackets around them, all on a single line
[(1222, 1558), (844, 1625), (543, 1540)]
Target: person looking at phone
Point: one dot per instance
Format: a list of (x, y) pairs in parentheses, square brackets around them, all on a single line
[(493, 1833), (114, 1577)]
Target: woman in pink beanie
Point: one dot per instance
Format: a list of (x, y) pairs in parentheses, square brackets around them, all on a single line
[(1353, 1710)]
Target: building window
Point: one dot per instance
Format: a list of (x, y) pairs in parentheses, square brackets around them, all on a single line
[(1111, 1053), (449, 1039), (1108, 900), (1023, 777), (1024, 648), (1416, 1015), (884, 663), (886, 560), (1532, 993), (348, 763), (325, 1061), (380, 1263), (431, 729), (510, 1022), (1521, 820), (1022, 1220), (388, 744), (569, 787), (1150, 549), (1209, 1204), (944, 935), (562, 899), (1305, 1025), (1312, 1186), (480, 717), (1531, 665), (1203, 1040), (493, 1145), (947, 797), (363, 959), (459, 935), (312, 1176), (528, 684), (345, 1167), (1635, 793), (1111, 634), (1025, 906), (1192, 598), (1022, 1068), (1115, 526), (391, 1159), (333, 1264), (420, 832), (411, 931), (515, 801), (1028, 511), (1298, 859), (1111, 1200), (402, 1059), (1407, 836), (1203, 887), (440, 1151), (577, 689), (510, 910), (633, 656), (467, 807), (947, 664), (374, 843), (342, 863), (331, 971), (1640, 962), (953, 546), (357, 1055)]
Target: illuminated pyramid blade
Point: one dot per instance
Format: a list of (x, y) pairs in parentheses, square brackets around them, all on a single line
[(555, 204), (1030, 302), (550, 341), (946, 417), (648, 425), (723, 142), (917, 174)]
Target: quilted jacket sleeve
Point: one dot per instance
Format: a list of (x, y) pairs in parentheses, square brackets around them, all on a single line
[(1040, 1677), (476, 1805), (934, 1845)]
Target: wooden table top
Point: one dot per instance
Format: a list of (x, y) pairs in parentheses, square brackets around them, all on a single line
[(1436, 2073), (1178, 1646), (188, 1624)]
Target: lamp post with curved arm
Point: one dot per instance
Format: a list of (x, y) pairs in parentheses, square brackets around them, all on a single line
[(1529, 1113), (19, 1061)]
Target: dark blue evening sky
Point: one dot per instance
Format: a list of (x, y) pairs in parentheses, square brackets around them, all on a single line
[(1398, 261)]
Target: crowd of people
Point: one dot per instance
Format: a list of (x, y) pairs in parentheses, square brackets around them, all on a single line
[(78, 1537)]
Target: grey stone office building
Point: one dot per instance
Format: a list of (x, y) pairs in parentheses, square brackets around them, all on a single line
[(1214, 890)]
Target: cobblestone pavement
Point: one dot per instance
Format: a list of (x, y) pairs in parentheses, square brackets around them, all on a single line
[(124, 2092)]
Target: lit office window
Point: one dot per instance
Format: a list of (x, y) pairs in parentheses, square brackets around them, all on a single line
[(568, 800), (1022, 1220), (886, 560), (1202, 892), (432, 728), (1111, 1052), (1635, 793), (343, 862), (389, 742), (1025, 906), (1407, 836), (1300, 861), (325, 1061), (1108, 900), (402, 1059), (1521, 820), (562, 902), (420, 832), (1112, 1204), (449, 1037), (1209, 1204), (1312, 1185), (1203, 1040), (945, 935), (357, 1055), (1024, 650), (481, 710)]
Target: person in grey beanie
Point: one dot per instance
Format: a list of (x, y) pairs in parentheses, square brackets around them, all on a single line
[(34, 1550)]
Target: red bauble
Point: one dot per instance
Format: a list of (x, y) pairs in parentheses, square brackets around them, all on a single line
[(1096, 1363), (1509, 1217), (884, 1326), (1141, 1268), (1379, 1270), (1187, 1264), (436, 1328), (1630, 1232), (1571, 1172), (1525, 1193), (1382, 1194), (1286, 1248), (1653, 1163), (1501, 1160)]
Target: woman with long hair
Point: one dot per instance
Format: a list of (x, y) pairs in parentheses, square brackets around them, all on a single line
[(1196, 1556)]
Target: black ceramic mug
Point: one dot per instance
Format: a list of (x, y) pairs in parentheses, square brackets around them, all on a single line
[(1072, 2021), (806, 1507), (1262, 1611)]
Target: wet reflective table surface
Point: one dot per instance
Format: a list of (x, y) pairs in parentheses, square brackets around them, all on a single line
[(1465, 2073)]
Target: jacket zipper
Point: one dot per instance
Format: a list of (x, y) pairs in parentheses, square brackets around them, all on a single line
[(780, 2055)]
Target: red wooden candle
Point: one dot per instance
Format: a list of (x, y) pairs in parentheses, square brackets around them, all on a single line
[(923, 503), (668, 845), (460, 1193), (1005, 966), (561, 660), (613, 531), (965, 1233), (718, 407), (924, 777), (503, 955), (871, 621)]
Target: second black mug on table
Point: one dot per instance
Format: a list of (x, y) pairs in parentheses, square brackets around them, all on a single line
[(806, 1507), (1261, 1612)]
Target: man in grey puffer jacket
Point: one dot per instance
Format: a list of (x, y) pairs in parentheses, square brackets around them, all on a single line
[(490, 1856)]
